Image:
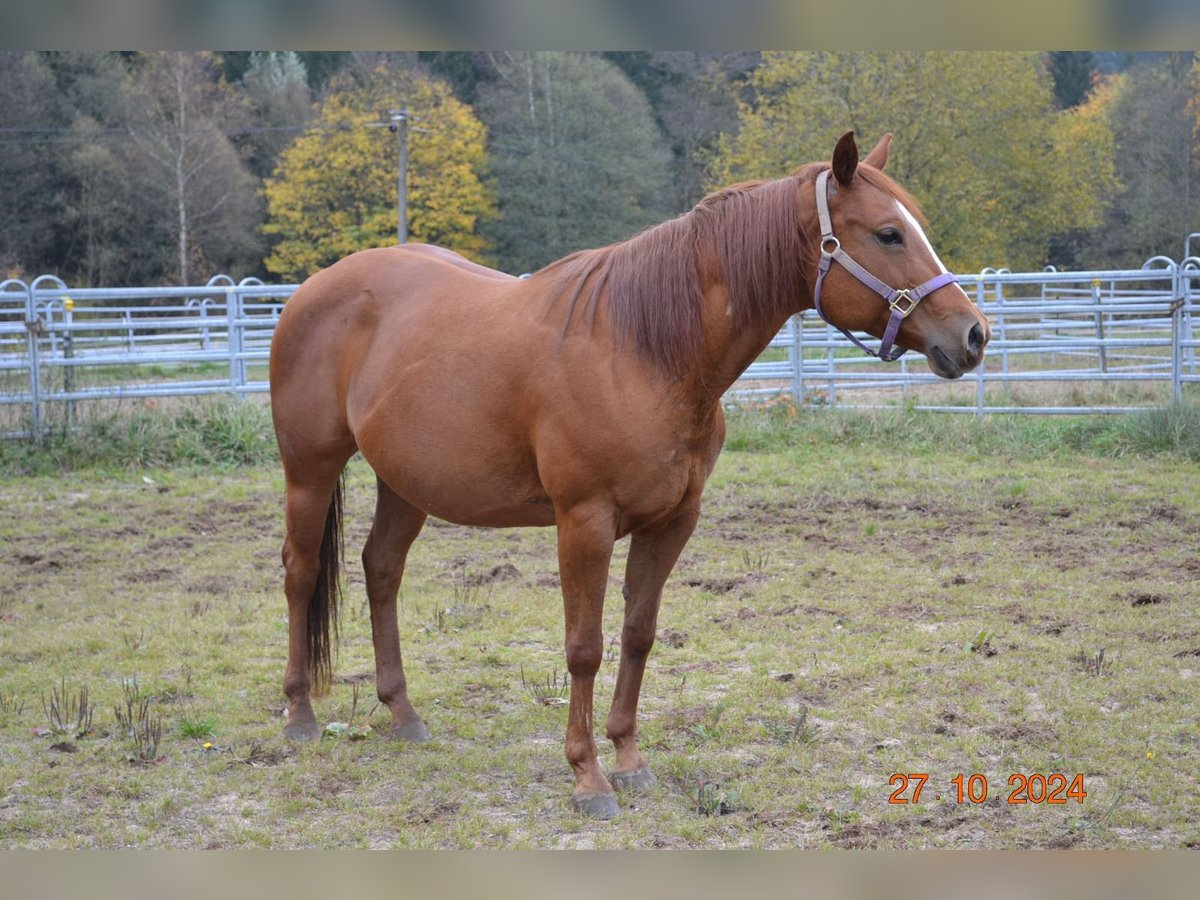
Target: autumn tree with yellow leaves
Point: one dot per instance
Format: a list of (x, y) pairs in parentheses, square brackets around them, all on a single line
[(334, 190), (997, 168)]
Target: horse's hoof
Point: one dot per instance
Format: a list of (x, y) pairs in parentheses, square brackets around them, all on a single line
[(302, 731), (640, 780), (415, 732), (595, 806)]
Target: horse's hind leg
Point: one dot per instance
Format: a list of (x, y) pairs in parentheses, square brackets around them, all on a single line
[(311, 558), (397, 524), (652, 556)]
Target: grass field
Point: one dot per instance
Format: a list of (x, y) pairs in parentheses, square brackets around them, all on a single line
[(864, 597)]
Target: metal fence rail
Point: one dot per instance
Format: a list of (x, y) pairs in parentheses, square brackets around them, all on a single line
[(1062, 342)]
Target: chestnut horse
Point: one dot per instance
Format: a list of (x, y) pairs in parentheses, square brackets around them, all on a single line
[(586, 397)]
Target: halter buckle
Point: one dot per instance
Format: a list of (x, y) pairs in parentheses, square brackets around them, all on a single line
[(903, 303), (830, 241)]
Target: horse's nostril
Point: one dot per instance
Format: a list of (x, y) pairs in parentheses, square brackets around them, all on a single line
[(975, 338)]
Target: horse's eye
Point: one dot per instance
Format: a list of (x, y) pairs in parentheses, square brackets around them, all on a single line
[(890, 236)]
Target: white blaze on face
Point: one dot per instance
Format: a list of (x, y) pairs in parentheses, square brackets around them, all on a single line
[(919, 232), (916, 229)]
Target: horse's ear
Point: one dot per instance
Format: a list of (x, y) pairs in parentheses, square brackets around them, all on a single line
[(845, 159), (879, 156)]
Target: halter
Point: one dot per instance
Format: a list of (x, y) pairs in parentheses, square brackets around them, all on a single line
[(901, 301)]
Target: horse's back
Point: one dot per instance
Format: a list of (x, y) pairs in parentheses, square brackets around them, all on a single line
[(380, 292), (425, 364), (433, 251)]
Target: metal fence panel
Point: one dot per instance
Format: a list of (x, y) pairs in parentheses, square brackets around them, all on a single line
[(1062, 342)]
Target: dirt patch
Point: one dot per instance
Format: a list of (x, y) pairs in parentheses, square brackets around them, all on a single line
[(355, 678), (806, 609), (211, 585), (716, 585), (1051, 626), (174, 542), (865, 836), (1034, 732), (150, 576), (504, 572), (1142, 598), (436, 813), (41, 565), (672, 638)]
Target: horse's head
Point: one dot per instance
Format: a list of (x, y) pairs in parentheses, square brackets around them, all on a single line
[(878, 272)]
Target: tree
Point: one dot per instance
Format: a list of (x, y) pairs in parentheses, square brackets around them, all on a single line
[(577, 157), (1074, 72), (978, 141), (1157, 160), (276, 87), (105, 235), (334, 191), (694, 97), (30, 114), (462, 69), (1085, 140), (177, 111)]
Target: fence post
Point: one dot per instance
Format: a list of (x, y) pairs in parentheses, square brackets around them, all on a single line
[(797, 358), (33, 329), (1177, 349), (233, 312), (1179, 305), (979, 389), (1001, 319), (68, 359), (1103, 355)]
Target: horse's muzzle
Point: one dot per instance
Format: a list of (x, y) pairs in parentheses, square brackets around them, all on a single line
[(955, 365)]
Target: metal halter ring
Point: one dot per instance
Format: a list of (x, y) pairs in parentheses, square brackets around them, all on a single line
[(826, 241), (896, 304)]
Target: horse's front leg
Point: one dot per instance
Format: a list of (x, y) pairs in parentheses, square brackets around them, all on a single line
[(652, 556), (585, 542)]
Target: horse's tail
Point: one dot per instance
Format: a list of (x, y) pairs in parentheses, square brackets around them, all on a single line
[(323, 626)]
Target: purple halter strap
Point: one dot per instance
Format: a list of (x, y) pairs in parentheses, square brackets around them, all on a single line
[(901, 301)]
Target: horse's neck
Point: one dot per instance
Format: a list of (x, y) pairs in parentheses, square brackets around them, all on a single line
[(729, 346), (738, 329)]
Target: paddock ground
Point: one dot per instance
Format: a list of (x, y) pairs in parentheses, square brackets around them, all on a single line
[(843, 614)]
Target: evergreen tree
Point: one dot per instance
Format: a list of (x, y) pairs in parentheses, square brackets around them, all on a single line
[(1074, 72)]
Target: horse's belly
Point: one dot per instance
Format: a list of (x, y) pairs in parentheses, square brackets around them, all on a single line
[(464, 483), (489, 512)]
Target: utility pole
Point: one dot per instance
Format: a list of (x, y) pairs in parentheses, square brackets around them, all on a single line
[(399, 124)]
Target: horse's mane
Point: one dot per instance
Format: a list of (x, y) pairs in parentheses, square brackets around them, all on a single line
[(651, 283)]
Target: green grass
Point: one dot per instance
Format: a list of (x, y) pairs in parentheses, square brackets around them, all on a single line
[(864, 596), (227, 433), (1171, 431), (204, 432)]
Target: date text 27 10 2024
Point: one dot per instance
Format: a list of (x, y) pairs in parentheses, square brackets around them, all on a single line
[(1055, 788)]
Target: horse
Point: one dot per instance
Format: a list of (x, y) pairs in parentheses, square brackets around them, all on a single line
[(585, 397)]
